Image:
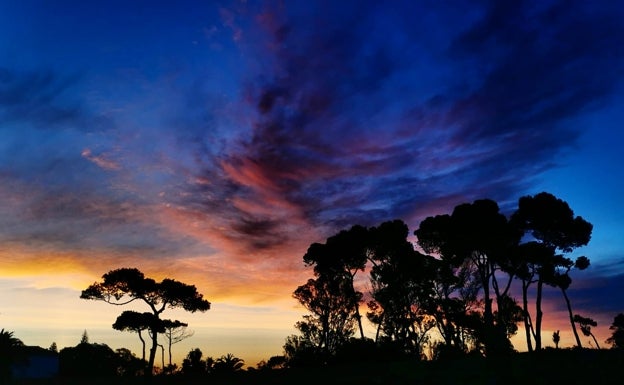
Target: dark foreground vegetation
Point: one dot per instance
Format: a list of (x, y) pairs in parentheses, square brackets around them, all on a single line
[(550, 366), (444, 310)]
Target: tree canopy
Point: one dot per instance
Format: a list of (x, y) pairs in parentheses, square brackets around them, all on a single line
[(461, 286), (126, 285)]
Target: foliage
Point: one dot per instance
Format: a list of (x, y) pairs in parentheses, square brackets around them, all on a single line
[(137, 322), (126, 285), (556, 338), (402, 282), (175, 331), (330, 300), (193, 365), (88, 360), (129, 365), (586, 324), (228, 364), (462, 288), (340, 258), (617, 332), (480, 238), (9, 353), (552, 225), (84, 339), (273, 363)]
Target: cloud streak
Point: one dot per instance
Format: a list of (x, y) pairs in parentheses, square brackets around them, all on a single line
[(313, 118)]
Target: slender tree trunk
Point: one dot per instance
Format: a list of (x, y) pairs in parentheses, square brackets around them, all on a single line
[(538, 315), (379, 328), (526, 315), (359, 319), (170, 343), (576, 336), (143, 343), (488, 317), (595, 340), (357, 304), (152, 356), (162, 356)]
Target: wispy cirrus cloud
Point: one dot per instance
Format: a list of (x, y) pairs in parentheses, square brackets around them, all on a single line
[(345, 129), (313, 119)]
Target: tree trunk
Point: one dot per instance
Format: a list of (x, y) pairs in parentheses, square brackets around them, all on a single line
[(576, 336), (170, 343), (526, 315), (379, 328), (488, 317), (143, 343), (162, 356), (152, 356), (595, 340), (538, 315), (357, 304), (359, 319)]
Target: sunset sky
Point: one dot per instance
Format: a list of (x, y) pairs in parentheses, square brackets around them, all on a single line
[(213, 141)]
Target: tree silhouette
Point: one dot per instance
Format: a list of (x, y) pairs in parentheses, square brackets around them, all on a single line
[(556, 338), (550, 222), (402, 285), (175, 331), (228, 364), (126, 285), (137, 322), (88, 360), (330, 300), (300, 351), (617, 332), (478, 234), (129, 364), (343, 254), (532, 261), (562, 280), (273, 363), (9, 353), (84, 339), (193, 364), (586, 324)]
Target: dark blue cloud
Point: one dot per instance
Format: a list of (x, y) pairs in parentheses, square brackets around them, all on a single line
[(368, 112)]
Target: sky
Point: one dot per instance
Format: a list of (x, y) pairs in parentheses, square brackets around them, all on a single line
[(213, 141)]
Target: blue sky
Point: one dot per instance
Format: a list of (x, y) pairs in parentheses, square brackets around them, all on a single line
[(214, 141)]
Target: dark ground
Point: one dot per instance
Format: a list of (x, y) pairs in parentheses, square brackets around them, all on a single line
[(550, 367)]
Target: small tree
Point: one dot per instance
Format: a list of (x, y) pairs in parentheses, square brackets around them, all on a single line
[(137, 322), (228, 363), (617, 336), (586, 324), (84, 339), (126, 285), (193, 365), (175, 331), (556, 338), (53, 348), (330, 300)]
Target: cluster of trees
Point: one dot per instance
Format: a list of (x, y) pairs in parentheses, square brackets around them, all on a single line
[(460, 286), (126, 285), (98, 360), (195, 365)]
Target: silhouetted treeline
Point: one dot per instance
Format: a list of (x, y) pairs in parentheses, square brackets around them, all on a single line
[(458, 284)]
